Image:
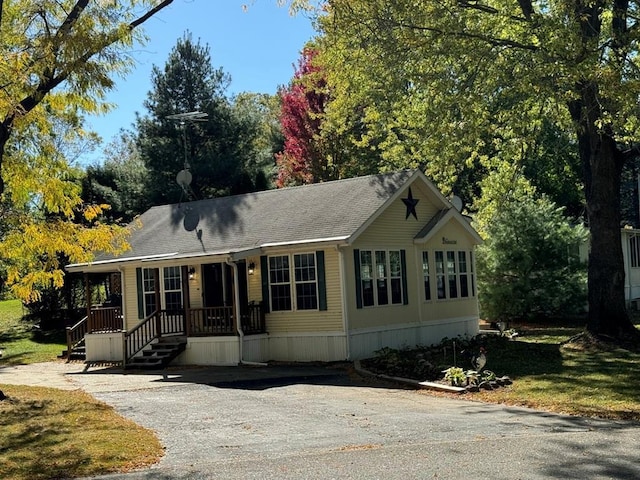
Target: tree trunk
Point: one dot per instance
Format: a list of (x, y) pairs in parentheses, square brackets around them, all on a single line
[(602, 163)]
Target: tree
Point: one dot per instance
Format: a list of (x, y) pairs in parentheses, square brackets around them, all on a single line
[(316, 149), (119, 181), (217, 150), (529, 265), (471, 73), (56, 58)]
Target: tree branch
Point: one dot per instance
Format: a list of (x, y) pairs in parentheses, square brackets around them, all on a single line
[(51, 81), (498, 42)]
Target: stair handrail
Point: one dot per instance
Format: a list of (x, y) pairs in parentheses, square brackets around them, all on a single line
[(141, 335), (75, 334)]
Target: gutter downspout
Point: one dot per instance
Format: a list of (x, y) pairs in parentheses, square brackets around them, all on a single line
[(345, 306), (236, 299)]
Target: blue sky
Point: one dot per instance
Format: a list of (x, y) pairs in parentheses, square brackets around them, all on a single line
[(257, 46)]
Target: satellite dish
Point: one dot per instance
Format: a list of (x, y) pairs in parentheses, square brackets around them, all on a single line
[(184, 178), (456, 202)]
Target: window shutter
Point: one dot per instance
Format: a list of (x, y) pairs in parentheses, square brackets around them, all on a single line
[(322, 284), (140, 293), (356, 266), (403, 265), (264, 274)]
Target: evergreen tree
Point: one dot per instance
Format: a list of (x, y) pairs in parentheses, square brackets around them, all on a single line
[(119, 181), (217, 150)]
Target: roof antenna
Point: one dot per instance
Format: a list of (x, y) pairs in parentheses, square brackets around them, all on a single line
[(184, 176)]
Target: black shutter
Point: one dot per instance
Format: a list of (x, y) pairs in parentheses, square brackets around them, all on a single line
[(140, 293), (322, 285), (403, 265), (264, 273), (356, 266)]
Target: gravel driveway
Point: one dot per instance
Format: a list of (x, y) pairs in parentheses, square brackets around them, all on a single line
[(321, 423)]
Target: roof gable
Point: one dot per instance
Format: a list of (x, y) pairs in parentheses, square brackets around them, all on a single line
[(439, 220)]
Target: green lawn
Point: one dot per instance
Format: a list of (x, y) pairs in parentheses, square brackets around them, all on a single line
[(21, 342), (47, 434), (586, 380)]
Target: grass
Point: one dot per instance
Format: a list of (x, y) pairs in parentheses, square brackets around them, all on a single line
[(21, 342), (46, 433), (548, 373)]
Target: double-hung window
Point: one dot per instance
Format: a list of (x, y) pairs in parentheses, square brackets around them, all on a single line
[(425, 275), (293, 282), (380, 277), (170, 290), (454, 275)]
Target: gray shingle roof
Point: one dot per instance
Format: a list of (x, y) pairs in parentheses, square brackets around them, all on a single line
[(242, 222)]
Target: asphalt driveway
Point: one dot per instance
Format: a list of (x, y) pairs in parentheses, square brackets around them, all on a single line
[(314, 422)]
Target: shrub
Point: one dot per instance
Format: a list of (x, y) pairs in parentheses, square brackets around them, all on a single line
[(529, 265)]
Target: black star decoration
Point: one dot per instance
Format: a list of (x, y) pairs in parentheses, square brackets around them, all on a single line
[(410, 203)]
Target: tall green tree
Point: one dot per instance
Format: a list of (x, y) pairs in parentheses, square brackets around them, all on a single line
[(215, 150), (56, 62), (476, 78), (118, 180)]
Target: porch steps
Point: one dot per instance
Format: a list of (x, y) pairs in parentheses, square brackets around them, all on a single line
[(159, 355), (78, 352)]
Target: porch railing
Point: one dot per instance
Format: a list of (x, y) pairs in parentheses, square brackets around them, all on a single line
[(75, 335), (253, 319), (208, 321), (154, 326), (105, 319)]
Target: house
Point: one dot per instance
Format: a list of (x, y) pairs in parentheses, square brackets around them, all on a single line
[(324, 272), (631, 255)]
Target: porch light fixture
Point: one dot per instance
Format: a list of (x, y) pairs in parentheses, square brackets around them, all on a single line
[(252, 268), (192, 273)]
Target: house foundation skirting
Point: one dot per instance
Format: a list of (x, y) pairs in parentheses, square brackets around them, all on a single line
[(104, 347), (365, 342), (220, 351), (310, 347)]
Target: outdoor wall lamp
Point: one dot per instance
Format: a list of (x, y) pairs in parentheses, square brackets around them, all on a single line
[(252, 268), (192, 273)]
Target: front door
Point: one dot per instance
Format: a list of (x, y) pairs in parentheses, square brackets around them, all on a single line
[(217, 289), (218, 284)]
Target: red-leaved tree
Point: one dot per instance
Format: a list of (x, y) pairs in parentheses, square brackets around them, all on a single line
[(304, 159)]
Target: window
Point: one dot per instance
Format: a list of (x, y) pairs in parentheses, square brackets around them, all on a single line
[(451, 275), (425, 275), (280, 282), (172, 288), (149, 291), (462, 269), (454, 274), (170, 293), (634, 251), (304, 287), (381, 277), (440, 275)]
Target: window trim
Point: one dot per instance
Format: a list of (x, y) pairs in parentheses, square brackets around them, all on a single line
[(161, 278), (441, 272), (389, 279), (292, 283)]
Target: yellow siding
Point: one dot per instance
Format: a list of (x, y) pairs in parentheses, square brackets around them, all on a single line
[(195, 288), (130, 297), (391, 231), (306, 321), (437, 309)]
